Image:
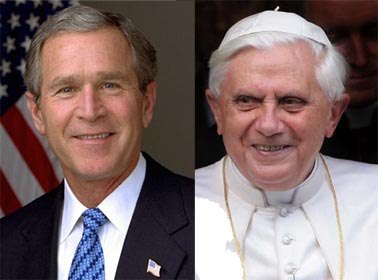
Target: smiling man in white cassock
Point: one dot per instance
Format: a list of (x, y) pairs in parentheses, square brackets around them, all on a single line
[(273, 207)]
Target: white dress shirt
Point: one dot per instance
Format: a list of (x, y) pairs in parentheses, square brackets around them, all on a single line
[(287, 235), (118, 207)]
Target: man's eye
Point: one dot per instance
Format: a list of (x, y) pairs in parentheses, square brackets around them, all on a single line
[(109, 85), (245, 102), (244, 99), (292, 103), (370, 32), (65, 90), (110, 88)]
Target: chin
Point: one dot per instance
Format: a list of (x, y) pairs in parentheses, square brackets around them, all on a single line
[(273, 180), (91, 175), (93, 171)]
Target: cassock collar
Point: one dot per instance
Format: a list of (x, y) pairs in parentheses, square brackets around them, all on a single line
[(250, 194)]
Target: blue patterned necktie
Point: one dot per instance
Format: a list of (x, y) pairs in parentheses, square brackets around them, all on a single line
[(88, 262)]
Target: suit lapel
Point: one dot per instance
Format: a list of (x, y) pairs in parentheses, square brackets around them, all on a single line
[(41, 238), (322, 216), (158, 216)]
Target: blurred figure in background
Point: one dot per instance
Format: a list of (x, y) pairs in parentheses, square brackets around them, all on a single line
[(352, 27)]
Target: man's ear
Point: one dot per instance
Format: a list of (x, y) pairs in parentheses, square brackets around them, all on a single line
[(149, 100), (337, 110), (35, 112), (213, 100)]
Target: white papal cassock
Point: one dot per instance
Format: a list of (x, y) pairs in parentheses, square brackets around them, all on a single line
[(288, 235)]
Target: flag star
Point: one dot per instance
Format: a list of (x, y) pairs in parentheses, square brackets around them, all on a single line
[(26, 44), (10, 44), (37, 3), (18, 2), (3, 90), (33, 22), (5, 67), (56, 4), (14, 21), (22, 66)]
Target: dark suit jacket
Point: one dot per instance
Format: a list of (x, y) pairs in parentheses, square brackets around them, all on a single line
[(356, 144), (161, 229)]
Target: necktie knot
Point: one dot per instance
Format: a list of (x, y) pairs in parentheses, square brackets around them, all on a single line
[(93, 219)]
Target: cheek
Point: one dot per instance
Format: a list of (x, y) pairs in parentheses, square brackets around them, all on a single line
[(237, 123), (128, 111), (55, 124), (58, 116), (311, 128), (306, 127), (54, 117)]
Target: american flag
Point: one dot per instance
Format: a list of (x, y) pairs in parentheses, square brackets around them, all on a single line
[(153, 268), (28, 168)]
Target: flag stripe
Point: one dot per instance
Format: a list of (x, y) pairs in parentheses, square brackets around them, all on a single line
[(18, 130), (22, 107), (28, 166), (8, 200), (23, 182)]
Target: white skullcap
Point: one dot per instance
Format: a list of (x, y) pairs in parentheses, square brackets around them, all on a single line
[(275, 21)]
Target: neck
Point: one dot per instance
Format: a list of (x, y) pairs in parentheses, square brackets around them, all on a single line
[(92, 192)]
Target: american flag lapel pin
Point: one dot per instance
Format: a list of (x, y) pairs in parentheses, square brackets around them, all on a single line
[(153, 268)]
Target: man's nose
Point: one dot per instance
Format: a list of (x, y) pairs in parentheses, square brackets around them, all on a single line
[(90, 105), (357, 55), (268, 122)]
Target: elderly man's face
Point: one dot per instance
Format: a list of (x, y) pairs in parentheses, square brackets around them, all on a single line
[(91, 109), (352, 27), (272, 114)]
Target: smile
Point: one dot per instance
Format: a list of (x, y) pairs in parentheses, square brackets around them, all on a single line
[(265, 148), (94, 136)]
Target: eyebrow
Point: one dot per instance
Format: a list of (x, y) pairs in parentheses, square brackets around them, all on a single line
[(60, 81), (278, 95)]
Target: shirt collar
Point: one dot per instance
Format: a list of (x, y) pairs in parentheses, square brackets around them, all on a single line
[(246, 191), (118, 206)]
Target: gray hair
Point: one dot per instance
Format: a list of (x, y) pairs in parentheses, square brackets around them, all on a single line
[(82, 19), (330, 72)]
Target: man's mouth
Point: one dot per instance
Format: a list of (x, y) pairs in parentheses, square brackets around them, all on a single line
[(94, 136), (269, 148)]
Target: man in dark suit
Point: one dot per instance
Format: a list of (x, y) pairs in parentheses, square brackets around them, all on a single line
[(118, 213)]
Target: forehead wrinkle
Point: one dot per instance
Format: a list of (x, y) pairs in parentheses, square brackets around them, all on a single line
[(111, 75)]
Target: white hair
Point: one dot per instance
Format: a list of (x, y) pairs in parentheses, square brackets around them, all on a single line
[(330, 72)]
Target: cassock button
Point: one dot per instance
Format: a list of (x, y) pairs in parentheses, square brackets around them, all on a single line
[(284, 212), (287, 239), (291, 268)]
